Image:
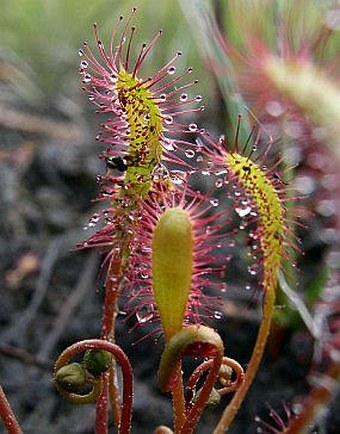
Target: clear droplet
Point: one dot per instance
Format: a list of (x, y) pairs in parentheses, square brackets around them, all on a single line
[(162, 97), (198, 98), (169, 145), (168, 120), (219, 183), (192, 127), (252, 270), (183, 97), (171, 70), (217, 314), (81, 53), (242, 212), (87, 78), (84, 64), (189, 153), (223, 287), (178, 177), (214, 202)]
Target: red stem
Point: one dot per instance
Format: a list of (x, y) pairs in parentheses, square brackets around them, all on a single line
[(112, 283), (102, 417), (7, 415), (195, 412)]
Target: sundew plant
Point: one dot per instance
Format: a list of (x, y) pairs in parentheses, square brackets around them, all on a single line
[(178, 202)]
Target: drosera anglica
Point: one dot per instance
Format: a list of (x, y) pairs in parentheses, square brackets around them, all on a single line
[(170, 278), (247, 171), (144, 113)]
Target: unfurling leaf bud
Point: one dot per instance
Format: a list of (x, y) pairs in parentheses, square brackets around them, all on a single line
[(97, 361), (71, 377)]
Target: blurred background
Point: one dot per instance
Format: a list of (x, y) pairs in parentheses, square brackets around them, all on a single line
[(48, 166)]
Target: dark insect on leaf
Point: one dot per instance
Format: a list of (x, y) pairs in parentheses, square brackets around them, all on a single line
[(116, 163)]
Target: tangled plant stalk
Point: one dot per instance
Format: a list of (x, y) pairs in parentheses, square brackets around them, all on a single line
[(167, 241)]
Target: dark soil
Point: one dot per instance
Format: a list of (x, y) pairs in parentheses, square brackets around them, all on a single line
[(49, 298)]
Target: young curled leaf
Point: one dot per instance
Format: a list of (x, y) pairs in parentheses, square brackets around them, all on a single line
[(193, 340), (71, 377), (97, 361), (71, 380)]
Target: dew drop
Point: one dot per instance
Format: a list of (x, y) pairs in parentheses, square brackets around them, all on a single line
[(177, 180), (84, 64), (183, 97), (247, 287), (198, 98), (171, 70), (242, 212), (217, 314), (189, 153), (214, 202), (192, 127), (169, 145), (252, 270), (81, 53), (223, 287), (162, 97), (87, 78), (219, 183), (168, 120)]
